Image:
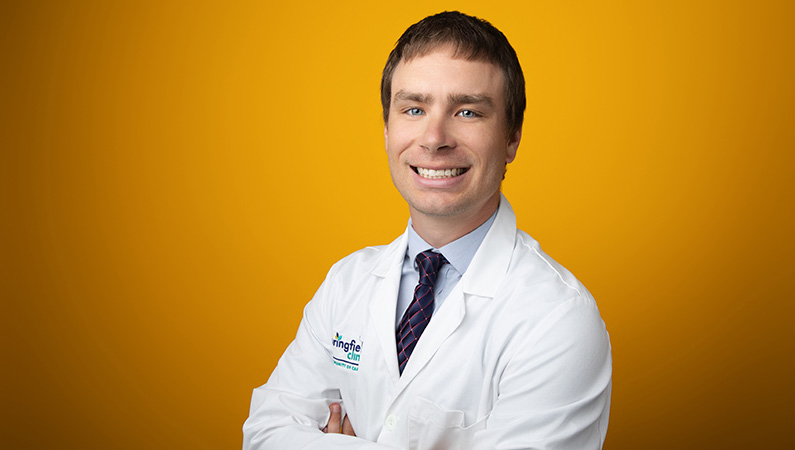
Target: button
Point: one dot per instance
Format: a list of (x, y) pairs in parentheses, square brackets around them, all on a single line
[(390, 423)]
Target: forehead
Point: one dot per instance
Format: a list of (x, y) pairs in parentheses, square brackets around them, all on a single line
[(440, 72)]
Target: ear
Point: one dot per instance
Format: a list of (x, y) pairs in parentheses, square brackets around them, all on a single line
[(513, 145), (386, 136)]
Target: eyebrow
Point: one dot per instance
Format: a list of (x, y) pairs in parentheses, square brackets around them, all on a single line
[(454, 99), (471, 99), (413, 97)]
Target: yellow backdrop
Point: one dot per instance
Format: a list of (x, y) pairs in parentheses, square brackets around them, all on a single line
[(177, 177)]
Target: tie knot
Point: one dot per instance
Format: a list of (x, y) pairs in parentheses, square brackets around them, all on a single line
[(429, 263)]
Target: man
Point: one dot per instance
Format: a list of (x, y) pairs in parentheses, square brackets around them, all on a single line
[(461, 333)]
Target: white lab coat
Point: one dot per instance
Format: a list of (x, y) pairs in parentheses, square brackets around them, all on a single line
[(517, 357)]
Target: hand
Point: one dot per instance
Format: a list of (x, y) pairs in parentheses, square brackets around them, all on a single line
[(336, 424)]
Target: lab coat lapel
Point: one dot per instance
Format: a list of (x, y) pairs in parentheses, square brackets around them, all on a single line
[(383, 304)]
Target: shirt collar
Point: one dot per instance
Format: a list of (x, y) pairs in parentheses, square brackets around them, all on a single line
[(458, 253)]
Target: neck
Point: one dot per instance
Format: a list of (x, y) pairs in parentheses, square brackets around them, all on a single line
[(442, 230)]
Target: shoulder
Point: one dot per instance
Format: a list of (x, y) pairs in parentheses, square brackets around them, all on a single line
[(347, 283), (542, 313), (538, 292), (535, 273), (368, 262), (359, 260)]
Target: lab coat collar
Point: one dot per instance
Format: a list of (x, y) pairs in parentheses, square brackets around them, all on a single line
[(489, 264), (393, 254), (491, 261)]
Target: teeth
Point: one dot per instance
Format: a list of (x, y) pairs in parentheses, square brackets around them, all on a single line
[(436, 174)]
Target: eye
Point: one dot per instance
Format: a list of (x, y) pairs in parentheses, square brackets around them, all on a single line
[(468, 114), (414, 112)]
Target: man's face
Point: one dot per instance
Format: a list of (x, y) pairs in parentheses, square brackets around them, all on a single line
[(446, 136)]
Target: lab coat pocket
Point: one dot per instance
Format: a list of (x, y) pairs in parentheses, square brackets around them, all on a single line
[(432, 427)]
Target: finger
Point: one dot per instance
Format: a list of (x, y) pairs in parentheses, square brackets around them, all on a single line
[(347, 428), (335, 420)]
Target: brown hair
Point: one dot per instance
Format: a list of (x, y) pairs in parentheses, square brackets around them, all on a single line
[(472, 39)]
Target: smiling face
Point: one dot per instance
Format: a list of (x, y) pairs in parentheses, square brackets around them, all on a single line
[(447, 138)]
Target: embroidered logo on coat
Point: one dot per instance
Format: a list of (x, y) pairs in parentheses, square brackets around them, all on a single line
[(346, 354)]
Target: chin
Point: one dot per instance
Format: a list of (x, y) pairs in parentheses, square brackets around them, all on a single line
[(440, 207)]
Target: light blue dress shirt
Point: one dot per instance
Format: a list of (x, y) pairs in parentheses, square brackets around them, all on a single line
[(458, 254)]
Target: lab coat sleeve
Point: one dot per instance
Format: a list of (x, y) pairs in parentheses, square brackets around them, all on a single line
[(554, 392), (289, 411)]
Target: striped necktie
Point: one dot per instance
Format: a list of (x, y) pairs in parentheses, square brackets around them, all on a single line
[(418, 314)]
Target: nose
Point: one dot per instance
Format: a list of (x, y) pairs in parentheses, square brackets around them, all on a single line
[(437, 134)]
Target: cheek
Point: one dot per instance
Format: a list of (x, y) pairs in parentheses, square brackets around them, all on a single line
[(494, 151), (396, 142), (392, 153)]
